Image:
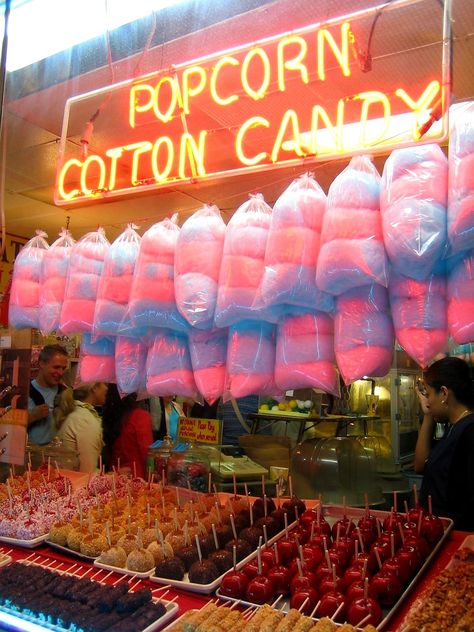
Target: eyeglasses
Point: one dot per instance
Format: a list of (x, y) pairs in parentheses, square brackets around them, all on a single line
[(420, 385)]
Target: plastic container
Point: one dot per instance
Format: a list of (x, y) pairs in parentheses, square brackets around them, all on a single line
[(336, 467), (65, 458), (158, 456), (189, 468)]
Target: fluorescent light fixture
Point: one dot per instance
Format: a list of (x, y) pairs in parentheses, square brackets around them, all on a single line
[(23, 624), (40, 28)]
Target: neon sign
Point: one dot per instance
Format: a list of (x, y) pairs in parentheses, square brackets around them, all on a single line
[(293, 98)]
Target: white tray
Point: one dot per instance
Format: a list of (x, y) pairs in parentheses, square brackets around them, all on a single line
[(67, 551), (332, 513), (15, 619), (124, 571), (207, 589), (5, 559), (177, 621), (27, 544)]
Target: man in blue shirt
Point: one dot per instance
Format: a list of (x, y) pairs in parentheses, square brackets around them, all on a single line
[(53, 361)]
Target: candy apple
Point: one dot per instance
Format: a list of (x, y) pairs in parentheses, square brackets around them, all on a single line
[(260, 590), (391, 521), (294, 506), (287, 549), (418, 542), (399, 567), (268, 556), (345, 526), (330, 602), (366, 535), (308, 517), (411, 557), (251, 569), (387, 587), (368, 522), (432, 528), (361, 608), (330, 584), (302, 582), (356, 591), (234, 584), (312, 556), (324, 570), (298, 599), (338, 557), (280, 577), (353, 574)]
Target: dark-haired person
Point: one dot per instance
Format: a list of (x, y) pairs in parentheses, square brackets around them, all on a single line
[(447, 394), (53, 362), (127, 432)]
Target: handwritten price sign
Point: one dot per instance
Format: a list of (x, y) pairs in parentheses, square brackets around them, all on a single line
[(199, 430)]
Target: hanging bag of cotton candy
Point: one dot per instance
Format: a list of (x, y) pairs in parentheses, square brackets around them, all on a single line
[(305, 352), (250, 359), (24, 307), (461, 180), (54, 273), (419, 313), (168, 366), (243, 263), (197, 264), (413, 201), (461, 297), (85, 269), (130, 364), (292, 248), (352, 250), (208, 351), (116, 282), (152, 296), (363, 333), (96, 359)]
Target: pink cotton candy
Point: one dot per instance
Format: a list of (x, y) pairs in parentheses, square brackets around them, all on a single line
[(210, 382), (292, 244), (159, 290), (178, 382), (417, 185), (303, 203), (77, 315), (464, 175), (460, 320), (257, 384), (362, 360), (241, 272), (422, 345), (318, 374), (202, 257), (25, 293), (344, 264), (97, 368), (343, 223), (53, 288)]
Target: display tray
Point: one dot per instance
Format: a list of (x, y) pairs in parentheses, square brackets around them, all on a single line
[(26, 544), (67, 551), (332, 513), (176, 624), (285, 413), (5, 559), (17, 619), (464, 553), (123, 571), (207, 589)]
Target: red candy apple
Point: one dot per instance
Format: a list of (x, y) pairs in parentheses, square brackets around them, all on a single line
[(234, 584)]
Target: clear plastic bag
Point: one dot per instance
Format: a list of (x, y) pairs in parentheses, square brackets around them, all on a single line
[(461, 181), (460, 291), (413, 200), (168, 366), (243, 264), (96, 359), (292, 248), (54, 273), (115, 283), (419, 313), (208, 351), (305, 353), (197, 265), (250, 359), (130, 363), (85, 268), (363, 333), (152, 296), (24, 307), (352, 249)]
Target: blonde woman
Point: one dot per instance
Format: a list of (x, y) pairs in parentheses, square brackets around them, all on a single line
[(78, 423)]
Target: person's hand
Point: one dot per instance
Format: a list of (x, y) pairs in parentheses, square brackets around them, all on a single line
[(420, 389), (38, 412)]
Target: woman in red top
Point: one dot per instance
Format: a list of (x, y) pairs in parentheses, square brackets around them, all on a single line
[(127, 432)]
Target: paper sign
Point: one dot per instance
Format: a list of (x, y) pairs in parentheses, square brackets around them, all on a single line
[(200, 430), (13, 436)]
